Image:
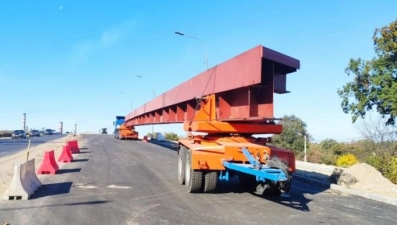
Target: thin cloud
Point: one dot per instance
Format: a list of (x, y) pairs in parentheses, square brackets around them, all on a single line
[(108, 38), (81, 52)]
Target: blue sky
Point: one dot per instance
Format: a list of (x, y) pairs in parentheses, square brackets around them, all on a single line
[(69, 60)]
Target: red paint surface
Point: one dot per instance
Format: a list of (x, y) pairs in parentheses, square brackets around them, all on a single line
[(244, 86)]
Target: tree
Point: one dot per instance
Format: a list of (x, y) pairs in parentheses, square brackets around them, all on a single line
[(332, 146), (171, 136), (151, 135), (375, 81), (376, 129), (291, 137)]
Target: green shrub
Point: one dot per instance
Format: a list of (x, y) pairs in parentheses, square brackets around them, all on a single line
[(171, 136), (390, 170), (328, 158), (151, 135), (377, 161), (346, 160)]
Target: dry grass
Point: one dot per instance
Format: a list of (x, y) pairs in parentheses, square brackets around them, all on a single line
[(5, 133)]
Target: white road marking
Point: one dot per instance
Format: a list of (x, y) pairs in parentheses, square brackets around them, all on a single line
[(85, 186), (120, 187)]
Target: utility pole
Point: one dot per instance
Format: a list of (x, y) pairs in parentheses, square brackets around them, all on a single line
[(75, 129), (304, 143), (130, 100), (305, 146), (205, 46), (24, 122), (61, 127), (154, 95)]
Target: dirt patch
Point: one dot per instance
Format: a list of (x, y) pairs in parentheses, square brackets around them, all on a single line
[(7, 163), (369, 179)]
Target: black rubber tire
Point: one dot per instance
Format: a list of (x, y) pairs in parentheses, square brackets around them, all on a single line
[(285, 185), (210, 181), (182, 164), (193, 179)]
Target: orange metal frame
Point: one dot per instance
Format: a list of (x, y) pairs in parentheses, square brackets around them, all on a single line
[(225, 139)]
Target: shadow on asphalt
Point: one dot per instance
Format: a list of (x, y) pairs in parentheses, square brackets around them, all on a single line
[(63, 171), (83, 148), (52, 189), (57, 205), (165, 144), (80, 160), (314, 178), (295, 199), (83, 152)]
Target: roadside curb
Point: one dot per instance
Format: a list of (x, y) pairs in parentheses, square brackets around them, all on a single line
[(372, 196), (346, 190)]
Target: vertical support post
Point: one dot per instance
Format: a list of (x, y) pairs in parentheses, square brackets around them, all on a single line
[(27, 152), (61, 127), (75, 129), (24, 122), (151, 136), (305, 146)]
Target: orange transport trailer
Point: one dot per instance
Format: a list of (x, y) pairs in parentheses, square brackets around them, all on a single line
[(229, 104)]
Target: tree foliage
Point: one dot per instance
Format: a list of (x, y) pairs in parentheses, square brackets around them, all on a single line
[(376, 129), (375, 81), (291, 137), (171, 136), (331, 146), (151, 135)]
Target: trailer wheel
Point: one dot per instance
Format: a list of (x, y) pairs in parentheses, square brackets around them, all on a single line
[(181, 164), (210, 181), (284, 186), (193, 179)]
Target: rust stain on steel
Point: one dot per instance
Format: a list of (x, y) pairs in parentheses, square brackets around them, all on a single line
[(245, 84)]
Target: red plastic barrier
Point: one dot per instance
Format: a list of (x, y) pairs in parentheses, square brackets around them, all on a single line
[(66, 155), (144, 139), (74, 146), (49, 165)]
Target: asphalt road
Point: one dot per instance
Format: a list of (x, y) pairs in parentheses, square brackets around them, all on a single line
[(11, 146), (132, 182)]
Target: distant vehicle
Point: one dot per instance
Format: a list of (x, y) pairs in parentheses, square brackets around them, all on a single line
[(18, 134), (121, 131), (48, 132), (35, 133), (104, 131)]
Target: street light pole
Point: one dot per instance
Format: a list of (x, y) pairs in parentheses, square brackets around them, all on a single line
[(130, 100), (304, 144), (151, 136), (205, 46)]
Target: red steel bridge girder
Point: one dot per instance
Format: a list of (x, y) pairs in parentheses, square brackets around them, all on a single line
[(244, 86)]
